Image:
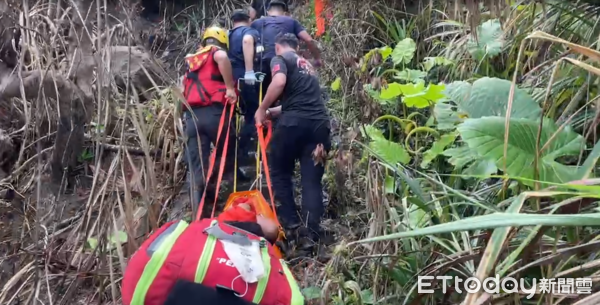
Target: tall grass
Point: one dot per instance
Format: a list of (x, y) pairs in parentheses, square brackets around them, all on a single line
[(100, 156), (439, 219)]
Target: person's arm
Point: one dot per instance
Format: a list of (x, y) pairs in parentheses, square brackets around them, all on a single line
[(278, 80), (303, 35), (248, 48), (225, 68)]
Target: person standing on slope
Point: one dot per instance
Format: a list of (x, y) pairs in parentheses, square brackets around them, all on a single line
[(302, 133), (277, 23), (208, 87), (242, 46)]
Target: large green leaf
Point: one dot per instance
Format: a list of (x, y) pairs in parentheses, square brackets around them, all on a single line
[(390, 91), (404, 51), (446, 115), (410, 75), (486, 137), (489, 97), (477, 166), (419, 96), (389, 151), (489, 40), (413, 95), (437, 148)]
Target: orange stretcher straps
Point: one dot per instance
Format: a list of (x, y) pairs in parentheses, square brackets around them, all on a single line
[(213, 157), (263, 142), (223, 161)]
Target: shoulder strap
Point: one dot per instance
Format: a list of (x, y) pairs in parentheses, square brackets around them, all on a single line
[(197, 60)]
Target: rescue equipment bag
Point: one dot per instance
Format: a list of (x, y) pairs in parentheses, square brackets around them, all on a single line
[(203, 83), (197, 253)]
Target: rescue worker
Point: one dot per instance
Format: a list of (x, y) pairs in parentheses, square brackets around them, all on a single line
[(208, 87), (277, 23), (302, 133), (198, 263), (242, 47)]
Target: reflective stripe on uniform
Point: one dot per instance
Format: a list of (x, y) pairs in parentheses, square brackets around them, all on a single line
[(155, 263), (207, 253), (262, 283), (297, 297)]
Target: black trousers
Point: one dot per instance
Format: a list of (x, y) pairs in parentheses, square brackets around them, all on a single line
[(201, 129), (249, 105), (296, 139)]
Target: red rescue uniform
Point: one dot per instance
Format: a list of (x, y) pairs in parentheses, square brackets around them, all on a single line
[(203, 84)]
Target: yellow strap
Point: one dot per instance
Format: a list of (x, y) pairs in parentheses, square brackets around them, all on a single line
[(260, 98), (297, 297), (207, 254), (155, 263), (264, 280)]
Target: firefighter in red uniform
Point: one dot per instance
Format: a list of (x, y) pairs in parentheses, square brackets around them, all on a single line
[(208, 87), (227, 261)]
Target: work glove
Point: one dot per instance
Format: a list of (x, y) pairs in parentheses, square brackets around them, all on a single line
[(250, 78)]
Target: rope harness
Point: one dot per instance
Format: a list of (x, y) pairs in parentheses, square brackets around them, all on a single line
[(263, 141)]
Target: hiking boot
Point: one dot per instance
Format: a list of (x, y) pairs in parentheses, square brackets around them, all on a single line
[(290, 238), (305, 239)]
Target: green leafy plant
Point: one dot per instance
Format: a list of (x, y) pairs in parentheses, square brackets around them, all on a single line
[(489, 41), (486, 137), (391, 151), (414, 95)]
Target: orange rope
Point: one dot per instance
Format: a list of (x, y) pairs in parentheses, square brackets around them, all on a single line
[(319, 12), (212, 160), (263, 150)]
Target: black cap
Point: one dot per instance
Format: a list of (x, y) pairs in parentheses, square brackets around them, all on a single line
[(240, 14)]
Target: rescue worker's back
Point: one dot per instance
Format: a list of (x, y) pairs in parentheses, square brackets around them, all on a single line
[(302, 94), (302, 132), (208, 87), (272, 26)]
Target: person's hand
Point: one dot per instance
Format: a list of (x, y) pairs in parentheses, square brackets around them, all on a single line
[(260, 116), (250, 78), (317, 63), (230, 96)]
